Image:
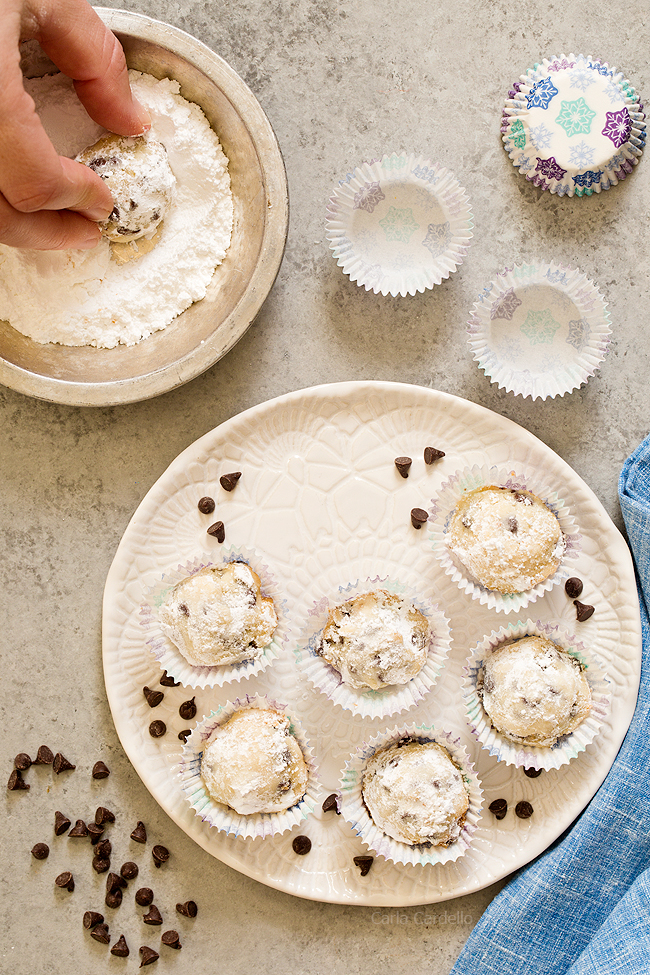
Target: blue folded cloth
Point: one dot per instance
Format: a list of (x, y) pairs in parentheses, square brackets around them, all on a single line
[(583, 907)]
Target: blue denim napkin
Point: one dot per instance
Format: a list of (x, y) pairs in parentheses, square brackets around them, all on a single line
[(583, 907)]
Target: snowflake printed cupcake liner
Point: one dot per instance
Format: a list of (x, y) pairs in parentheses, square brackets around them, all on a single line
[(524, 755), (399, 225), (539, 330), (367, 702), (442, 511), (355, 811), (222, 817), (170, 657), (573, 125)]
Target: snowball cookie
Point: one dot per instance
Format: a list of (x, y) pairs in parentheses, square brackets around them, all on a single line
[(219, 616), (534, 692), (507, 540), (139, 176), (415, 793), (375, 640), (254, 764)]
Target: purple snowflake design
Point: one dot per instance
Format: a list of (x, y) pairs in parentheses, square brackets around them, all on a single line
[(618, 127), (588, 178), (541, 94), (368, 197), (505, 305), (550, 169)]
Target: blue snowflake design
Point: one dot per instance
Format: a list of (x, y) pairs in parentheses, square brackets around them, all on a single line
[(555, 277), (617, 161), (562, 189), (588, 178), (424, 199), (613, 92), (428, 175), (525, 164), (541, 94), (581, 155), (601, 68), (581, 79), (578, 334), (541, 136)]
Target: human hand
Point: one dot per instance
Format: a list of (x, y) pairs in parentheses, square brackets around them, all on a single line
[(49, 202)]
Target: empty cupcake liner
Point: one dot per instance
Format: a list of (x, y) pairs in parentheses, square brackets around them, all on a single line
[(170, 657), (539, 330), (399, 225), (217, 814), (355, 811), (531, 756), (573, 125), (442, 510), (371, 703)]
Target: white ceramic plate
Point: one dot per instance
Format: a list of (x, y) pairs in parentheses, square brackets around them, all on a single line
[(320, 497)]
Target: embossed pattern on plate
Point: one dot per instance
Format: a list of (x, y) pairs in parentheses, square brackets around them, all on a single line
[(319, 489)]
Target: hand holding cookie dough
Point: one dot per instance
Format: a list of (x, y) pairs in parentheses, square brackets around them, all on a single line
[(49, 202)]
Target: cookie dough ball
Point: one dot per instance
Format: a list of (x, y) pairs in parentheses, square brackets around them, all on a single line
[(415, 793), (375, 640), (140, 178), (507, 540), (254, 764), (534, 692), (219, 616)]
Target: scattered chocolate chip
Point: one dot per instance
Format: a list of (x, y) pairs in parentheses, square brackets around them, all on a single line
[(129, 870), (104, 815), (513, 525), (332, 803), (103, 849), (139, 834), (301, 845), (418, 517), (188, 909), (532, 773), (61, 823), (187, 710), (91, 918), (218, 531), (65, 880), (403, 465), (40, 851), (206, 506), (153, 698), (573, 587), (100, 771), (157, 729), (120, 948), (153, 917), (160, 855), (44, 756), (16, 781), (364, 864), (184, 735), (22, 761), (499, 808), (113, 898), (61, 764), (115, 882), (79, 829), (171, 939), (148, 956), (100, 933), (101, 864), (432, 454), (144, 896), (167, 681), (583, 611), (229, 481), (524, 809), (95, 832)]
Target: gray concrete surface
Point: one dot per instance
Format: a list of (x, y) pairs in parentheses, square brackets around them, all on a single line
[(340, 81)]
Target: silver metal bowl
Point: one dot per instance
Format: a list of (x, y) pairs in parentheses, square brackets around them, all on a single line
[(202, 334)]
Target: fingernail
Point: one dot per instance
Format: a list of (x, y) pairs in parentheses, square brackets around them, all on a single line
[(89, 241)]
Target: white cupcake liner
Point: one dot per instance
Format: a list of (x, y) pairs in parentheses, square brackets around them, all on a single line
[(371, 703), (399, 225), (573, 126), (170, 657), (222, 817), (355, 812), (531, 756), (539, 330), (442, 510)]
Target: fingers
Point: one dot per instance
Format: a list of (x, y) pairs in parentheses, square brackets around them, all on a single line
[(46, 230)]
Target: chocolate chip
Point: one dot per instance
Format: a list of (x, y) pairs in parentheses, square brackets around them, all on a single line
[(532, 773), (22, 761), (157, 729), (40, 851), (61, 764), (168, 681), (184, 735), (100, 933), (79, 829), (61, 823), (100, 771), (91, 918), (153, 698), (160, 855), (499, 807), (403, 465), (129, 870), (513, 525), (418, 517), (187, 710), (44, 756), (218, 531), (65, 880), (144, 896), (583, 611), (153, 917), (332, 803), (229, 481), (573, 587), (115, 882), (16, 782), (364, 864), (524, 809), (432, 454), (184, 608), (206, 506), (95, 832), (113, 898), (139, 834), (171, 939), (103, 849), (188, 909), (104, 815), (101, 864), (120, 948), (301, 845), (148, 956)]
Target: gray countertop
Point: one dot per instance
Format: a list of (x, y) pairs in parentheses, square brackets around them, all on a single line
[(340, 82)]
